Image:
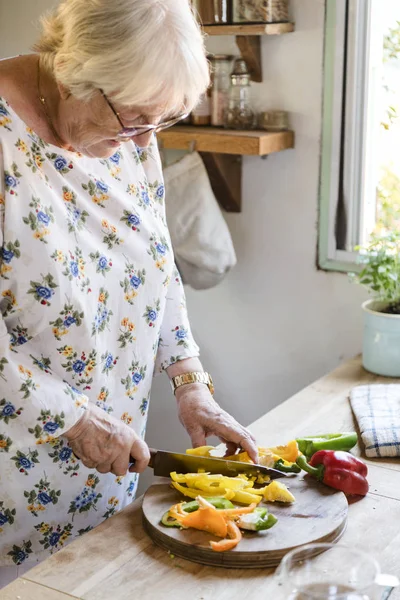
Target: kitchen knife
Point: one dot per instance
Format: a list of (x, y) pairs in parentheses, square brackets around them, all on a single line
[(164, 463)]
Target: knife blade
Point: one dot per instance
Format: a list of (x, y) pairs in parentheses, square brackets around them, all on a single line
[(164, 463)]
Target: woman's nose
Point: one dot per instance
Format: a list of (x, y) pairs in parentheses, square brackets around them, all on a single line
[(143, 140)]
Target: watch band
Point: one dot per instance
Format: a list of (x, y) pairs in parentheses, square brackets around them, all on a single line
[(193, 377)]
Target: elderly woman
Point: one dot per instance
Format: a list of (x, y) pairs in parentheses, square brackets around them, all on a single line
[(91, 302)]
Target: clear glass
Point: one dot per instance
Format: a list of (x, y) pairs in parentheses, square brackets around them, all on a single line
[(239, 114), (329, 572), (260, 11), (221, 72), (212, 12)]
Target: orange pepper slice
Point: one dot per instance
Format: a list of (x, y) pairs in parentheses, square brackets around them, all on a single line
[(235, 536)]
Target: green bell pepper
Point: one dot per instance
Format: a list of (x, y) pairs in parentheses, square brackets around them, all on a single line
[(189, 507), (329, 441), (280, 465), (259, 520)]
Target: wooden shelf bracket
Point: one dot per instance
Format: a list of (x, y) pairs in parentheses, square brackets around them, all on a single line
[(225, 173), (250, 49)]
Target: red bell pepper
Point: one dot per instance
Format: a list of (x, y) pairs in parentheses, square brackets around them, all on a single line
[(339, 470)]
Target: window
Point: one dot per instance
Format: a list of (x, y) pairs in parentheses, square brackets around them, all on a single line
[(360, 157)]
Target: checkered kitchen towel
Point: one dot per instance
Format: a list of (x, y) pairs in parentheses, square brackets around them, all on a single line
[(377, 410)]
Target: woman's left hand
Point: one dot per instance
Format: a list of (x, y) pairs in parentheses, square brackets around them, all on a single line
[(201, 416)]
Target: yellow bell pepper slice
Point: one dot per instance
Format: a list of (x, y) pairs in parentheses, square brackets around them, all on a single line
[(289, 452), (194, 479), (201, 451), (278, 492), (193, 493), (176, 477), (241, 457), (245, 497), (257, 491)]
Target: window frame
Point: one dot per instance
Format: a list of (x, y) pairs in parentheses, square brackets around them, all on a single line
[(347, 162)]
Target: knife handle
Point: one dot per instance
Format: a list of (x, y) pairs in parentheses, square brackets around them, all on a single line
[(153, 453)]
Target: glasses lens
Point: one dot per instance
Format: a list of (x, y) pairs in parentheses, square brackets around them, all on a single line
[(134, 132)]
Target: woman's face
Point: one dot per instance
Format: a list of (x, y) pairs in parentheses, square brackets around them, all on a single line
[(92, 128)]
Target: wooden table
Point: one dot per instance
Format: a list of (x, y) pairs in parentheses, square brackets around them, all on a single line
[(117, 561)]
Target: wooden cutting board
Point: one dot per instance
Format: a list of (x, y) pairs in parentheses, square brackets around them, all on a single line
[(318, 515)]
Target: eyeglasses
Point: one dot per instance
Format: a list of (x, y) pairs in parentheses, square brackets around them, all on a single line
[(127, 132)]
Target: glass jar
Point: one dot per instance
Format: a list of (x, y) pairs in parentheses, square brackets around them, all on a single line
[(260, 11), (239, 114), (274, 120), (221, 65), (213, 12), (201, 114)]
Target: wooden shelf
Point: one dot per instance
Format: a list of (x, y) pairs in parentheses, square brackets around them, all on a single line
[(223, 141), (249, 29)]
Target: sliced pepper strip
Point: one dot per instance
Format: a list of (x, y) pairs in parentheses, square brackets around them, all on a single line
[(235, 536), (245, 497), (206, 519), (192, 493), (233, 512), (201, 451)]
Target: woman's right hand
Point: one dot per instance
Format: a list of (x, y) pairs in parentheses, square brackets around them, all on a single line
[(107, 444)]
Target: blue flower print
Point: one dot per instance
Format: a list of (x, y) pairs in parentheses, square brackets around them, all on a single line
[(65, 454), (115, 158), (152, 312), (44, 292), (54, 538), (69, 321), (79, 366), (24, 463), (160, 191), (135, 281), (19, 340), (75, 215), (3, 111), (161, 249), (102, 187), (43, 218), (181, 334), (143, 406), (73, 267), (3, 519), (137, 378), (152, 315), (131, 487), (44, 498), (19, 557), (7, 255), (79, 502), (60, 163), (51, 427), (8, 410), (109, 361), (103, 262), (11, 181), (133, 220), (145, 197)]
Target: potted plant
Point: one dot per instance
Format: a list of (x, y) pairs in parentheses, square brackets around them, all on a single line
[(380, 274)]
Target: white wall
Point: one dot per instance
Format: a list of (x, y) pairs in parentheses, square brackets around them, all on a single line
[(276, 323)]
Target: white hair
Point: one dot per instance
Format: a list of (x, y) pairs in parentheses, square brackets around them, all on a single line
[(139, 52)]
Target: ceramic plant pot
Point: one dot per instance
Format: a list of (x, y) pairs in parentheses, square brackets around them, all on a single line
[(381, 343)]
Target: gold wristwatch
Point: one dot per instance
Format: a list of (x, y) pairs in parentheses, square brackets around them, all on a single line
[(193, 377)]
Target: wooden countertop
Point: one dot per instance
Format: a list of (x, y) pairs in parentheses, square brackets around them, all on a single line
[(117, 561)]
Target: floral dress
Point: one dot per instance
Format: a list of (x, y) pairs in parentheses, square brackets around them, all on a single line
[(91, 305)]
